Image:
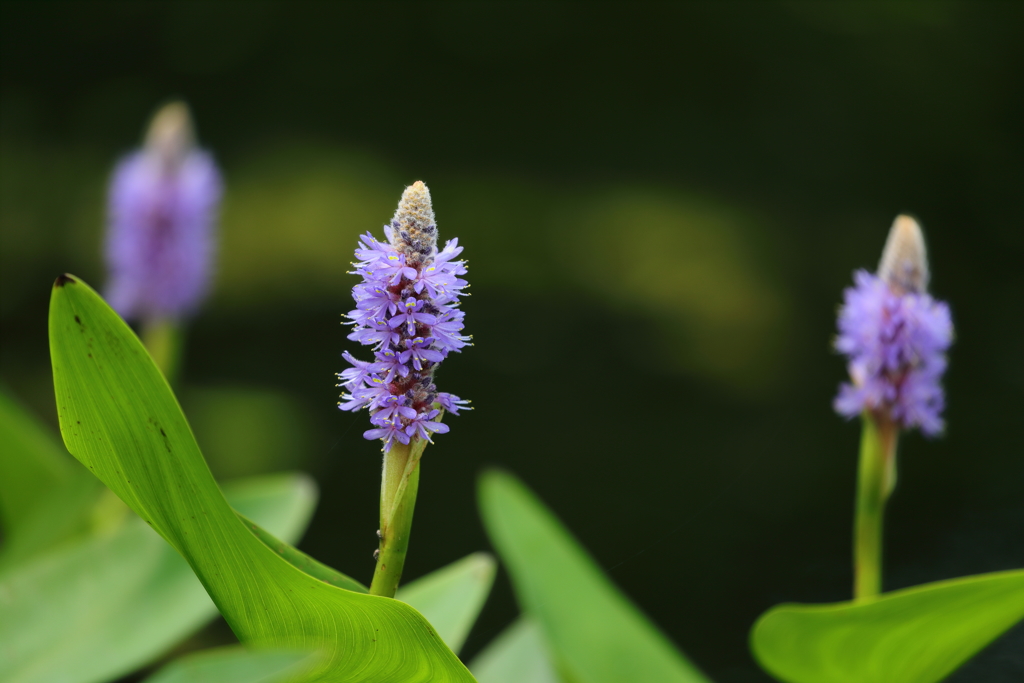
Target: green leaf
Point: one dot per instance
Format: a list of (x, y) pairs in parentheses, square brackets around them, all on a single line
[(104, 605), (121, 420), (44, 494), (915, 635), (594, 632), (517, 654), (233, 665), (31, 463), (451, 597)]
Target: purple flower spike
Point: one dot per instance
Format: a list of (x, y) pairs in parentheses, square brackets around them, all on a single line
[(162, 211), (407, 310), (895, 337)]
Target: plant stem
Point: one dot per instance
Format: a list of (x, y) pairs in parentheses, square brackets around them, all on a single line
[(875, 481), (398, 486), (162, 338)]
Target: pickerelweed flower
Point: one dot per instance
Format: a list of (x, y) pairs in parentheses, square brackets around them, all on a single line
[(407, 311), (895, 337), (162, 210)]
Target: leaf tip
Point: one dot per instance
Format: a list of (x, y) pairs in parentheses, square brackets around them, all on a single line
[(493, 475), (64, 279)]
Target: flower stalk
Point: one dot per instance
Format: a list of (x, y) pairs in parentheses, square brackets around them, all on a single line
[(399, 484), (876, 478), (162, 337)]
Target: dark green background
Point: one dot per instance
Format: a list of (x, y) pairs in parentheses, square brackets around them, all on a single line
[(660, 205)]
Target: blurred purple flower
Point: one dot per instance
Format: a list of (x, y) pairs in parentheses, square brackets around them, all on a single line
[(162, 210), (895, 337), (406, 308)]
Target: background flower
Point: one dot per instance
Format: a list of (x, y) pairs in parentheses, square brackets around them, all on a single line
[(162, 213)]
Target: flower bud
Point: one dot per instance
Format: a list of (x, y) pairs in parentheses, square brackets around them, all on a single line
[(904, 264)]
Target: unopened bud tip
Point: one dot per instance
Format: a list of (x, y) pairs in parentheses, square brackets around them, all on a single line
[(904, 263)]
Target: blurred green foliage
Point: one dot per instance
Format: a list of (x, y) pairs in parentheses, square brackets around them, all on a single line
[(248, 430), (594, 633), (89, 592)]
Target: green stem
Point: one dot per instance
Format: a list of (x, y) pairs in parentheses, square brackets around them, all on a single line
[(875, 481), (399, 483), (163, 339)]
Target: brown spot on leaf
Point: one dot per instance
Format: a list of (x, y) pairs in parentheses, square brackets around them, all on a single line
[(63, 280)]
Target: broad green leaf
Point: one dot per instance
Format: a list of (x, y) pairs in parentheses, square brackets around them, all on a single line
[(595, 634), (120, 419), (518, 654), (44, 494), (915, 635), (233, 665), (104, 605), (451, 597)]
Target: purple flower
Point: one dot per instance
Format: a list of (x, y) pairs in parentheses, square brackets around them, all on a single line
[(895, 337), (376, 300), (452, 403), (407, 310), (411, 314), (162, 211), (423, 427), (418, 350), (355, 375), (390, 431), (394, 405), (389, 363), (446, 331), (374, 332)]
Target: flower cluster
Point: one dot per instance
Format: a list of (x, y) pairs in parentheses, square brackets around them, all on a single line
[(407, 310), (895, 336), (162, 208)]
